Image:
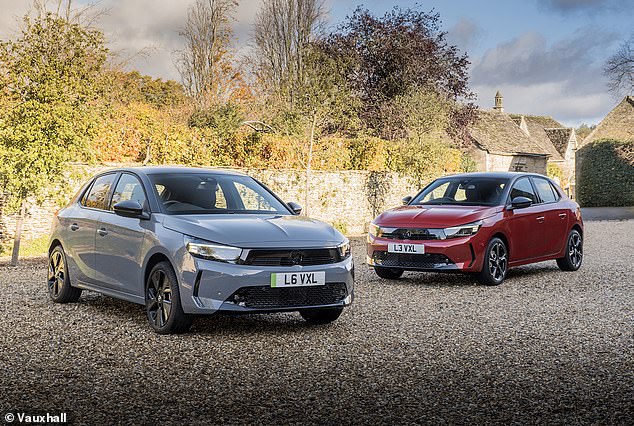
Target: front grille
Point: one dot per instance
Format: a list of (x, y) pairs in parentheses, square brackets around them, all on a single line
[(265, 297), (290, 257), (416, 234), (419, 261)]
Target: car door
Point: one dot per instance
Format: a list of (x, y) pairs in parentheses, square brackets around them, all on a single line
[(555, 216), (526, 224), (119, 240), (82, 222)]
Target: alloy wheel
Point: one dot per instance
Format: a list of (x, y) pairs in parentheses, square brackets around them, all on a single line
[(159, 296), (575, 249), (498, 261), (56, 273)]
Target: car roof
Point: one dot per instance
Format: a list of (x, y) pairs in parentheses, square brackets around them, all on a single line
[(153, 170), (500, 175)]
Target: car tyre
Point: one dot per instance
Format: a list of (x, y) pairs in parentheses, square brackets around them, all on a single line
[(58, 280), (321, 315), (388, 273), (495, 264), (574, 252), (163, 302)]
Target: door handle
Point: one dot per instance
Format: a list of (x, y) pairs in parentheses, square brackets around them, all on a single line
[(562, 215), (102, 232), (540, 219), (74, 227)]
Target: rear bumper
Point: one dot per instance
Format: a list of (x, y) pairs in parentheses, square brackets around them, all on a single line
[(458, 254), (210, 287)]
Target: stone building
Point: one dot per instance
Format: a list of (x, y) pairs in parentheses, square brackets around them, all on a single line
[(518, 142), (618, 124), (498, 144)]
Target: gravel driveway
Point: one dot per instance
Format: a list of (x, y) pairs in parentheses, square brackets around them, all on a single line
[(545, 347)]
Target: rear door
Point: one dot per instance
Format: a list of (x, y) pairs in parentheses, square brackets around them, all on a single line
[(119, 240), (555, 216), (82, 223), (525, 225)]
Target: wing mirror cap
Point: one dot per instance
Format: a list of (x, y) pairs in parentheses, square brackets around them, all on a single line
[(295, 208), (130, 208), (407, 200), (521, 202)]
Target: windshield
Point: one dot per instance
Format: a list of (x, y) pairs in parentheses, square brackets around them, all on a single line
[(211, 193), (462, 191)]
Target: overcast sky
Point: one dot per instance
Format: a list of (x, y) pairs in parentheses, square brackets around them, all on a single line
[(545, 56)]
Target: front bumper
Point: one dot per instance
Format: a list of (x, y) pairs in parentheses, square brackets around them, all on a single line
[(463, 254), (209, 287)]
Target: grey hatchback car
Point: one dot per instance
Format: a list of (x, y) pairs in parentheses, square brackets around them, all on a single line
[(185, 241)]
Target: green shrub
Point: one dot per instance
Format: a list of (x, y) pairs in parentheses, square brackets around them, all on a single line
[(28, 248), (467, 163), (224, 119), (606, 174)]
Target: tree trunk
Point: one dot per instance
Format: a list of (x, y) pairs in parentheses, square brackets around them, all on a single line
[(308, 163), (18, 234)]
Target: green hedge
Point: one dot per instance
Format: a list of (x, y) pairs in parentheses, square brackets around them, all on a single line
[(606, 174)]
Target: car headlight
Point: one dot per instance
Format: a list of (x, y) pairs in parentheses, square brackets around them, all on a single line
[(344, 249), (377, 231), (217, 252), (463, 230)]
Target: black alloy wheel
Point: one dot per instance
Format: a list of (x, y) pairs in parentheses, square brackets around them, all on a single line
[(495, 263), (58, 281), (574, 252), (162, 301)]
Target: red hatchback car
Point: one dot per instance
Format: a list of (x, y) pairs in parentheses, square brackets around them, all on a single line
[(481, 223)]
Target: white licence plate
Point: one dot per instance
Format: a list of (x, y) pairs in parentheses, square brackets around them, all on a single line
[(298, 279), (406, 248)]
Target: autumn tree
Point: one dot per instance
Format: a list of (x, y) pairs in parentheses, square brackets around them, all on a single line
[(324, 101), (398, 60), (283, 32), (206, 63), (619, 69), (48, 84)]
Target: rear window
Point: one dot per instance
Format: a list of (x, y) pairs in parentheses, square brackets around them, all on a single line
[(97, 194)]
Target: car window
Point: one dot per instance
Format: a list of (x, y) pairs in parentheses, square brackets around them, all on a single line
[(436, 193), (251, 199), (544, 190), (523, 188), (221, 200), (84, 197), (211, 193), (128, 188), (96, 198), (463, 190)]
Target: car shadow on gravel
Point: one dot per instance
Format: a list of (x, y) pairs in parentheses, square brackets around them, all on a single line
[(451, 279), (269, 324), (110, 309)]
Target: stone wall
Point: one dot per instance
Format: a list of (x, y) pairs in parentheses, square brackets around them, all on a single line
[(342, 198), (513, 163), (487, 162)]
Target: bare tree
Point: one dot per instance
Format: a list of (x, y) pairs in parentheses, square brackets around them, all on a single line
[(205, 64), (284, 30), (620, 69)]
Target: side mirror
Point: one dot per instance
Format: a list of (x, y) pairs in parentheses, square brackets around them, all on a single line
[(129, 208), (521, 202), (296, 208), (407, 200)]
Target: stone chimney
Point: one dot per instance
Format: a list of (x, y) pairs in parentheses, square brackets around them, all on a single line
[(498, 102)]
